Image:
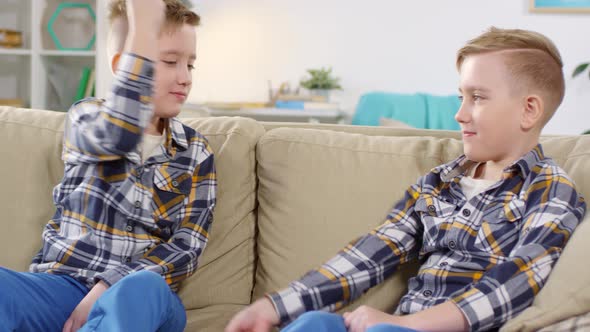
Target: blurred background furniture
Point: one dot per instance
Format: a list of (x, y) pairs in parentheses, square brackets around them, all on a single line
[(419, 110)]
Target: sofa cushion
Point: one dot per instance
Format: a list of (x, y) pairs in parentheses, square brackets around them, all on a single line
[(320, 189), (30, 146), (226, 271), (212, 318)]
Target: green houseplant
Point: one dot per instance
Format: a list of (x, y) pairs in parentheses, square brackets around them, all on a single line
[(579, 70), (320, 82)]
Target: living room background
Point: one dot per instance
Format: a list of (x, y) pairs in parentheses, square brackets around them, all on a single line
[(395, 46)]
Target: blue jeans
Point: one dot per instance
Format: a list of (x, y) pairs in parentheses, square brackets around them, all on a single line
[(319, 321), (141, 301)]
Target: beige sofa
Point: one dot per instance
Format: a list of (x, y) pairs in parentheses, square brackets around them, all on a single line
[(289, 196)]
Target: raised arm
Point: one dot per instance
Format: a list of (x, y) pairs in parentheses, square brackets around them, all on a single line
[(98, 130)]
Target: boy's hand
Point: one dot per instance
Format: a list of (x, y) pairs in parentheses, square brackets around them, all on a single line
[(145, 15), (80, 314), (364, 317), (258, 317), (145, 19)]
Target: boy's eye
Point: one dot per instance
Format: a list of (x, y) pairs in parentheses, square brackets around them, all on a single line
[(191, 67), (169, 62), (476, 97), (460, 98)]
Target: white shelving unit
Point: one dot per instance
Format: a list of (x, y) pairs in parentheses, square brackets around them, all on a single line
[(36, 71)]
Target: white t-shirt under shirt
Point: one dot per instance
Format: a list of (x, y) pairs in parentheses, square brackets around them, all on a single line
[(150, 146), (472, 187)]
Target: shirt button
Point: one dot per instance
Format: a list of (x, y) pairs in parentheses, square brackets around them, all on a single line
[(443, 264), (129, 228), (427, 293), (126, 259), (452, 244), (137, 204), (466, 212), (174, 183), (431, 208)]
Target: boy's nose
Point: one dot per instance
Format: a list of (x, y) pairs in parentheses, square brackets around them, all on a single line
[(462, 114), (184, 76)]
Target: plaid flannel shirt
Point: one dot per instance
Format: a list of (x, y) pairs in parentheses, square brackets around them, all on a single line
[(489, 255), (116, 215)]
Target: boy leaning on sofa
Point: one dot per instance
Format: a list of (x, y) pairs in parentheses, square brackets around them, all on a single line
[(487, 227), (135, 204)]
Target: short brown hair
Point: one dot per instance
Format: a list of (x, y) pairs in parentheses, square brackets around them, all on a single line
[(532, 59), (177, 14)]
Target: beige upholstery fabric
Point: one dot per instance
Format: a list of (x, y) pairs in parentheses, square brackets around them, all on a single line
[(226, 272), (318, 190), (576, 323), (212, 318), (387, 122), (30, 146)]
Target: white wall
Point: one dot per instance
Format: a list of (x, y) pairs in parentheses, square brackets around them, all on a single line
[(386, 45)]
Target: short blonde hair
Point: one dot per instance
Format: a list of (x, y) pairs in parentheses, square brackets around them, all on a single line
[(531, 58), (177, 14)]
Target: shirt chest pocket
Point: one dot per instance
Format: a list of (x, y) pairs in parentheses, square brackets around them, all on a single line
[(171, 189), (436, 216), (500, 227)]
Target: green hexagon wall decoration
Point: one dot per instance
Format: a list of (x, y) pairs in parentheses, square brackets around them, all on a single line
[(58, 10)]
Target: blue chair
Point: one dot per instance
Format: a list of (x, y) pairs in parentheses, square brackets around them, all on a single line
[(418, 110)]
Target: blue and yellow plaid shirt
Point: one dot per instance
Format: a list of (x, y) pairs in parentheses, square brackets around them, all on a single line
[(489, 255), (116, 215)]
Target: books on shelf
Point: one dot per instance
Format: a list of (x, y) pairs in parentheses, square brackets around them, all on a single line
[(86, 84), (89, 92), (14, 102), (11, 38)]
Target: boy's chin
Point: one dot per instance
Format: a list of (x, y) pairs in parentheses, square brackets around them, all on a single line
[(166, 112), (471, 155)]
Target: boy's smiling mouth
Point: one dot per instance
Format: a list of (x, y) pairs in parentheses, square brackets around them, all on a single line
[(181, 96)]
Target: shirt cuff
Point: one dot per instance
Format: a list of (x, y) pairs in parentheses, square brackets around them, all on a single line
[(477, 309), (136, 68), (288, 304)]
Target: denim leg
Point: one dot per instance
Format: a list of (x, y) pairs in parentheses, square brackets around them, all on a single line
[(37, 301), (317, 321), (141, 301)]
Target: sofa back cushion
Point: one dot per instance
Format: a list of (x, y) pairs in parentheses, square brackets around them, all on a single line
[(319, 189), (30, 146), (226, 270)]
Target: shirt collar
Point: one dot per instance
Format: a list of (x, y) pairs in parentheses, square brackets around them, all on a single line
[(175, 134), (457, 168), (175, 139)]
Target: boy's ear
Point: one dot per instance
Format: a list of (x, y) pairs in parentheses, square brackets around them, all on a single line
[(534, 111), (115, 62)]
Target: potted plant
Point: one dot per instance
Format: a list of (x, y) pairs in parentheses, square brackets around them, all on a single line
[(580, 69), (321, 82)]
